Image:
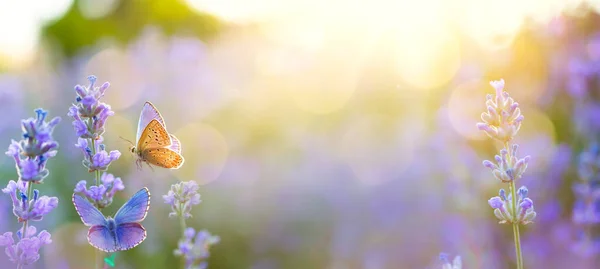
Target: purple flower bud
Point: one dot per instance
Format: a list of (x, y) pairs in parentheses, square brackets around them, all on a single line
[(80, 187), (496, 202), (42, 206), (489, 164), (189, 233), (96, 193), (101, 160), (28, 170), (523, 192), (502, 194), (182, 197), (526, 204), (80, 91)]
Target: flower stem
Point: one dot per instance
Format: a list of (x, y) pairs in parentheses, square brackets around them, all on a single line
[(516, 234), (97, 182), (183, 227), (26, 222)]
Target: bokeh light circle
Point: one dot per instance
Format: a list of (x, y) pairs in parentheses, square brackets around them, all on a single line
[(205, 151), (465, 105), (379, 148), (115, 65)]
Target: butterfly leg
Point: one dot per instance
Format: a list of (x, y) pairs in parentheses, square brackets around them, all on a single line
[(150, 166), (138, 163)]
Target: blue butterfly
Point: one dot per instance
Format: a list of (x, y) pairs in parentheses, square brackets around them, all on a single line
[(121, 233)]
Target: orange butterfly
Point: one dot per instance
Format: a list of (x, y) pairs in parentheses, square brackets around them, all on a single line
[(154, 145)]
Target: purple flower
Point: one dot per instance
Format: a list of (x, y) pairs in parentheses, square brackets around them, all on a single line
[(586, 210), (101, 195), (36, 147), (503, 119), (101, 160), (182, 197), (456, 263), (29, 208), (26, 250), (196, 249), (508, 167), (524, 213), (88, 113), (31, 155)]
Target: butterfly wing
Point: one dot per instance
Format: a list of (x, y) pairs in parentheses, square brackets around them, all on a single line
[(90, 215), (129, 235), (175, 144), (163, 157), (154, 136), (149, 113), (134, 210), (100, 237)]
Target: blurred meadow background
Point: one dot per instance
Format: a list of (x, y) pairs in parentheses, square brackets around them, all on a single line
[(324, 134)]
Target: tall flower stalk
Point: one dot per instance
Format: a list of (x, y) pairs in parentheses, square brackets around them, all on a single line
[(89, 119), (31, 154), (192, 247), (587, 200), (501, 122)]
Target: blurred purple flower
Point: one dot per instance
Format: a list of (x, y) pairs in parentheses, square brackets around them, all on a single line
[(586, 210), (456, 263), (196, 250), (503, 119), (182, 197), (26, 250)]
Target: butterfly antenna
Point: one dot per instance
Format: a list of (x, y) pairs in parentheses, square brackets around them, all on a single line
[(126, 140)]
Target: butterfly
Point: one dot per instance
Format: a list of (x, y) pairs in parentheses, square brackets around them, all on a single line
[(121, 233), (154, 145)]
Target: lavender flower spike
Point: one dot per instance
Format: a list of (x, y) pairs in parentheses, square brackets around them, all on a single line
[(456, 263), (587, 198), (508, 167), (192, 247), (103, 194), (182, 197), (88, 113), (25, 251), (503, 119), (195, 248), (37, 146), (31, 155)]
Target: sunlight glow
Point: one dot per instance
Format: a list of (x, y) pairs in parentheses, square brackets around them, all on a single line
[(20, 23)]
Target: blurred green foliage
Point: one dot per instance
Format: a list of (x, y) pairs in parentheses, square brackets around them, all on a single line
[(74, 31)]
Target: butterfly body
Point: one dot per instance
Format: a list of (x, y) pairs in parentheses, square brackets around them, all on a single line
[(154, 145), (122, 232)]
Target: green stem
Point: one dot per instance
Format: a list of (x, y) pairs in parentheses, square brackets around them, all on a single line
[(516, 234), (183, 227), (26, 222), (97, 260)]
